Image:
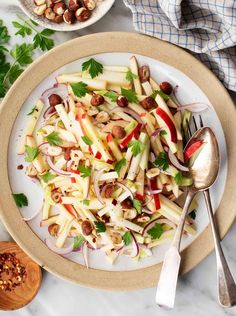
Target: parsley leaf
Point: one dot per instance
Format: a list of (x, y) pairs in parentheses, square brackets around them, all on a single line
[(136, 146), (163, 133), (54, 139), (48, 176), (119, 165), (156, 231), (23, 53), (193, 214), (127, 238), (31, 152), (130, 76), (94, 67), (4, 36), (87, 140), (178, 177), (32, 111), (84, 171), (130, 95), (14, 72), (111, 95), (78, 242), (86, 202), (162, 94), (43, 41), (162, 161), (137, 205), (20, 199), (23, 29), (100, 227), (79, 88)]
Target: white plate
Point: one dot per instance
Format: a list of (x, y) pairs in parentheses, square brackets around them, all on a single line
[(103, 6), (188, 92)]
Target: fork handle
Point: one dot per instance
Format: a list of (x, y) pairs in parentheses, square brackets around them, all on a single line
[(225, 282)]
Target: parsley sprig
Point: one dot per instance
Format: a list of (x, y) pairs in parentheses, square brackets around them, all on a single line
[(119, 165), (127, 238), (84, 171), (100, 227), (31, 153), (137, 205), (54, 139), (94, 67), (162, 161), (20, 199), (156, 231), (130, 76), (79, 89), (136, 146), (131, 95)]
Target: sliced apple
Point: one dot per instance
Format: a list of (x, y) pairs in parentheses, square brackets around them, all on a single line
[(134, 70)]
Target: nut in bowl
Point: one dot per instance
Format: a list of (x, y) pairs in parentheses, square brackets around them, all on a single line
[(66, 15)]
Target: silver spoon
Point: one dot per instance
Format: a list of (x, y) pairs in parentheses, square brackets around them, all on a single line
[(204, 171)]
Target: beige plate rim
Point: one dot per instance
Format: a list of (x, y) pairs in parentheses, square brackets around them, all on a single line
[(82, 47)]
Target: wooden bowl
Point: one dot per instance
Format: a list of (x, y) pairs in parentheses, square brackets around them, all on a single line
[(24, 293), (86, 46)]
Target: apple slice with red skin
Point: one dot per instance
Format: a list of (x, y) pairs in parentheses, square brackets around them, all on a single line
[(129, 137), (190, 150), (153, 186), (169, 123)]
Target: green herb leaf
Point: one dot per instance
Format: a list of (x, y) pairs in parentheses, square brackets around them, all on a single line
[(130, 76), (119, 165), (4, 36), (32, 111), (23, 53), (86, 202), (163, 133), (130, 95), (54, 139), (162, 94), (94, 67), (162, 161), (84, 171), (193, 214), (127, 238), (31, 153), (111, 95), (14, 72), (178, 177), (136, 146), (43, 41), (156, 231), (100, 227), (23, 29), (79, 89), (48, 176), (78, 241), (87, 140), (20, 199), (137, 205)]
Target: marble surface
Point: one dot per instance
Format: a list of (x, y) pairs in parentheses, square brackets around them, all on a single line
[(196, 295)]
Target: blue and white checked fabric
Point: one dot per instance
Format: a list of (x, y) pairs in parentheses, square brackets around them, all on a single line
[(206, 27)]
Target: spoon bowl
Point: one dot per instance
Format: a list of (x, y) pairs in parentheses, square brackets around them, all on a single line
[(25, 292)]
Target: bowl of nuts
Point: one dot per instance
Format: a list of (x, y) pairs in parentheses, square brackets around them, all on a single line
[(65, 15)]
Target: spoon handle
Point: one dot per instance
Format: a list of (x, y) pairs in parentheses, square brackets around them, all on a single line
[(225, 281), (166, 288)]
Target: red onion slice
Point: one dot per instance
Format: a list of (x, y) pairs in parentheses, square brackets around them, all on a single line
[(148, 200), (48, 150), (131, 250), (25, 219), (60, 251), (128, 111), (157, 132), (59, 89), (195, 107), (50, 111), (121, 185), (85, 253), (56, 169), (175, 162)]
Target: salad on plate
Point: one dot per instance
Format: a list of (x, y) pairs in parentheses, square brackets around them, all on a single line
[(107, 145)]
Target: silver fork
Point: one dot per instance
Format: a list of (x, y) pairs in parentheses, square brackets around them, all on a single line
[(225, 282)]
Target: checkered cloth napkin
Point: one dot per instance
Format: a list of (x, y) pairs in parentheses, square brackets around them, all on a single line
[(206, 27)]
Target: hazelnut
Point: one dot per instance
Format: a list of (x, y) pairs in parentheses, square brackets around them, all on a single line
[(116, 237), (87, 227), (92, 111), (82, 14), (56, 196), (69, 17), (97, 100), (31, 171), (89, 4), (148, 103), (55, 1), (166, 87), (126, 204), (59, 8), (108, 191), (49, 14), (118, 131), (73, 5), (153, 172), (54, 99), (143, 219), (144, 73), (53, 229), (58, 19), (49, 3), (39, 2), (102, 117), (130, 213), (122, 101), (39, 10)]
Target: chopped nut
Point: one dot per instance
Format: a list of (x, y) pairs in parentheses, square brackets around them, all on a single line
[(97, 100), (130, 213), (153, 172), (118, 131), (102, 117), (143, 219), (49, 14), (126, 204), (166, 87), (73, 5), (39, 2), (89, 4), (122, 101), (115, 237), (53, 229), (58, 19), (87, 227), (39, 10), (148, 103), (93, 111), (54, 99), (31, 171), (59, 8), (82, 14), (69, 17), (144, 73)]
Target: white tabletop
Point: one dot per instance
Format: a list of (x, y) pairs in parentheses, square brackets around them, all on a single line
[(196, 295)]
